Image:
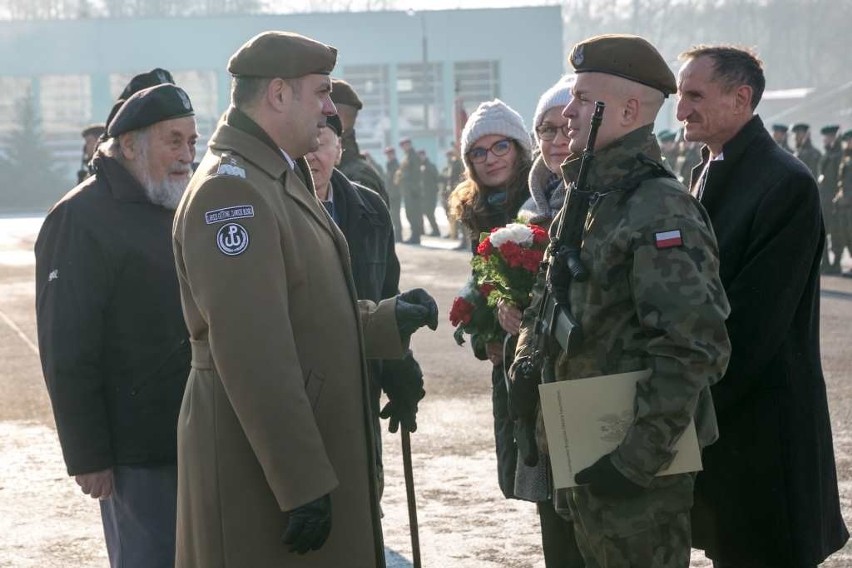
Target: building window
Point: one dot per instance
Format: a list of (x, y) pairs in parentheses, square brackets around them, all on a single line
[(65, 103), (374, 123), (419, 87), (476, 82), (13, 90)]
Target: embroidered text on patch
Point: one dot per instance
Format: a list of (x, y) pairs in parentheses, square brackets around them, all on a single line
[(232, 239), (231, 170), (668, 239), (229, 214)]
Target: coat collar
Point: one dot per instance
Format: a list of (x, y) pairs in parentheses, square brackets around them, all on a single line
[(237, 133), (121, 183), (618, 161)]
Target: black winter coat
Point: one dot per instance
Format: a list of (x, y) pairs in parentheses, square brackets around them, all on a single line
[(768, 492), (113, 343)]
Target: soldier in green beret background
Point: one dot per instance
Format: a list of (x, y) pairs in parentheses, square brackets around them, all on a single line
[(353, 165), (779, 134), (805, 150), (829, 172), (653, 300)]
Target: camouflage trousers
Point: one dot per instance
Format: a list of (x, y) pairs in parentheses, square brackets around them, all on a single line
[(649, 531)]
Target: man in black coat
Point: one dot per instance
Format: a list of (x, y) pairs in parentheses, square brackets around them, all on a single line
[(364, 220), (768, 493), (113, 343), (829, 175)]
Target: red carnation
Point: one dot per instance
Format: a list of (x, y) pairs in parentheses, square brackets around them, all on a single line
[(540, 236), (461, 312), (486, 288), (485, 248)]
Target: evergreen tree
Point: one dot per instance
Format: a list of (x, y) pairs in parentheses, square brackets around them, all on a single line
[(31, 178)]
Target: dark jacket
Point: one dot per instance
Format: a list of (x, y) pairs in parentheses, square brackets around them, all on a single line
[(356, 168), (810, 156), (768, 492), (829, 173), (114, 346)]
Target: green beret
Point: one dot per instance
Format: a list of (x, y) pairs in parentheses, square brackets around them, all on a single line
[(149, 106), (282, 54), (847, 135), (94, 130), (829, 129), (801, 127), (780, 128), (342, 93), (627, 56), (334, 123)]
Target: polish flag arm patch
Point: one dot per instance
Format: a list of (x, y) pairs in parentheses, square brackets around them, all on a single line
[(668, 239)]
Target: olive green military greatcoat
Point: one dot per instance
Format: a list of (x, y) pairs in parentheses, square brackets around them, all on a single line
[(654, 301), (276, 412)]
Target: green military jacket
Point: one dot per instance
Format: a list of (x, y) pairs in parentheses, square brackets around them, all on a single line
[(653, 300)]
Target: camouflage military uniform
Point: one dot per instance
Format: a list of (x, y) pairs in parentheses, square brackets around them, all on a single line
[(647, 304)]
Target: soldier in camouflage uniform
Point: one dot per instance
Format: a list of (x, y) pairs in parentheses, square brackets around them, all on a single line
[(353, 165), (829, 169), (653, 301), (805, 150), (842, 236)]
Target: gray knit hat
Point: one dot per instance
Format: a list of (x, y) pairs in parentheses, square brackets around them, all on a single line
[(494, 117), (559, 95)]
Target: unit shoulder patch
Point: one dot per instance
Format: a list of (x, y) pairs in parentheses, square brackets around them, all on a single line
[(232, 239), (668, 239), (228, 214)]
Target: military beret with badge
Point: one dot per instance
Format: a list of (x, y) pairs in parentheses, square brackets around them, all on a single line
[(283, 55), (152, 78), (801, 127), (149, 106), (627, 56), (829, 130)]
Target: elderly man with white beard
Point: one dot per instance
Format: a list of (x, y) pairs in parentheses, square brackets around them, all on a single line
[(114, 347)]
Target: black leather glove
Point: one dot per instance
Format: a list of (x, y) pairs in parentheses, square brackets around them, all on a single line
[(606, 481), (523, 389), (414, 309), (308, 526), (402, 381)]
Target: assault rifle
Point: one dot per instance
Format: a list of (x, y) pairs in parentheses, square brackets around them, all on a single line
[(554, 324)]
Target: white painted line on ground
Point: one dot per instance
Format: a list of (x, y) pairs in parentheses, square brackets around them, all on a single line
[(19, 332)]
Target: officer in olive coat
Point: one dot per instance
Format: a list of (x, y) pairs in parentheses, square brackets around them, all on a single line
[(274, 437)]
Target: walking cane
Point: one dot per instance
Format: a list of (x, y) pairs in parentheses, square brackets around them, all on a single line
[(409, 492)]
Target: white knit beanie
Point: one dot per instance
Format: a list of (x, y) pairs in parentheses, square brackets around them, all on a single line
[(494, 117), (559, 95)]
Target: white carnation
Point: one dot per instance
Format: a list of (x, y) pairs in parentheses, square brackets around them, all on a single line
[(512, 233)]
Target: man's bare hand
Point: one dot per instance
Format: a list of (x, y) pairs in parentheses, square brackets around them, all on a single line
[(97, 485), (494, 352), (509, 317)]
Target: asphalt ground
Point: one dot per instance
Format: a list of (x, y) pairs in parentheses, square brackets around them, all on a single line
[(464, 520)]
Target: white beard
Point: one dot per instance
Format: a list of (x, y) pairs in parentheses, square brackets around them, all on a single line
[(166, 193)]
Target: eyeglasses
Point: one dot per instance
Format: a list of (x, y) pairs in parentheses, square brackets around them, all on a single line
[(478, 154), (547, 132)]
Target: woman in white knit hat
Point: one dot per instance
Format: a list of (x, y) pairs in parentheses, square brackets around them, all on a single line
[(495, 148)]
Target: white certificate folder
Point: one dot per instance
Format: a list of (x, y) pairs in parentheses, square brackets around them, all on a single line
[(585, 419)]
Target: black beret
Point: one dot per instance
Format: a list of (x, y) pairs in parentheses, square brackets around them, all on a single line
[(829, 129), (93, 130), (152, 78), (627, 56), (800, 127), (342, 93), (847, 135), (780, 128), (282, 54), (156, 76), (149, 106), (667, 136), (334, 123)]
